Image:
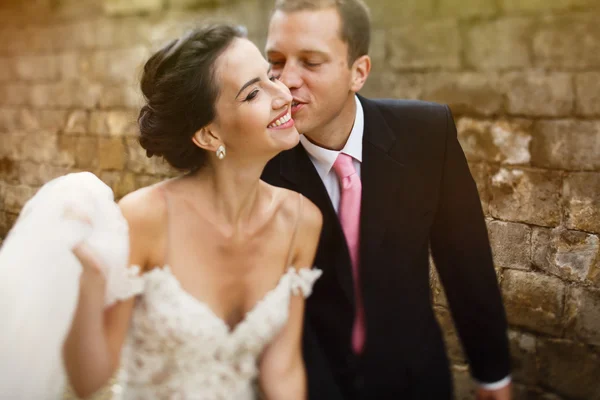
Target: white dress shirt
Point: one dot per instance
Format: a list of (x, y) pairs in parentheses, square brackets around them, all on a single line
[(323, 160)]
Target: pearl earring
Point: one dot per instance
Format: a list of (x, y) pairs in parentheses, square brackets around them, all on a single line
[(221, 152)]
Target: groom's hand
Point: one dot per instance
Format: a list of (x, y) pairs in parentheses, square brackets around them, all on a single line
[(498, 394)]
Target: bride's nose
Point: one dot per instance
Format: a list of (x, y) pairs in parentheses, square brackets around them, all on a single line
[(282, 97)]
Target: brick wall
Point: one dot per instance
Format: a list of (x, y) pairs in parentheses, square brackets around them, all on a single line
[(522, 78)]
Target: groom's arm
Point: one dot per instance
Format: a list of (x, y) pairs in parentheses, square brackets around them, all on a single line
[(321, 383), (462, 255)]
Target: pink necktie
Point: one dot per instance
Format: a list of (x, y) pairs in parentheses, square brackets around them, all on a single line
[(349, 215)]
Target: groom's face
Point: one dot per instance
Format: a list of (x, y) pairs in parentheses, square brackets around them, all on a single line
[(308, 55)]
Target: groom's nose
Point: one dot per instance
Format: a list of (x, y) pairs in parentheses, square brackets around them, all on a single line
[(290, 76)]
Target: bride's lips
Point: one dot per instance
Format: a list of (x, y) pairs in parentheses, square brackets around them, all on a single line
[(283, 121)]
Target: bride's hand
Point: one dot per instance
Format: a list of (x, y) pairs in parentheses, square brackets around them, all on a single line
[(92, 279), (88, 259)]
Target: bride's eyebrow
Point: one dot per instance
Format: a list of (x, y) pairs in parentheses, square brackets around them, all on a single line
[(251, 82)]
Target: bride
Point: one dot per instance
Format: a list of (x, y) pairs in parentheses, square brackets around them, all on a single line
[(214, 301)]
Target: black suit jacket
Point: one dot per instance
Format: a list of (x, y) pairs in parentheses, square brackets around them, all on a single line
[(417, 194)]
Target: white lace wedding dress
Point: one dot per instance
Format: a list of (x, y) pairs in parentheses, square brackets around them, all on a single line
[(176, 348)]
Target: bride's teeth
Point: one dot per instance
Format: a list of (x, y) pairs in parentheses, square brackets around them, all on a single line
[(281, 121)]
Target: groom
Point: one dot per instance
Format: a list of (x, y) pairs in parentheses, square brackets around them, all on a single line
[(391, 180)]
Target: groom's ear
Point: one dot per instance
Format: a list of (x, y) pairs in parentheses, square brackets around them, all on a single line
[(206, 139), (361, 67)]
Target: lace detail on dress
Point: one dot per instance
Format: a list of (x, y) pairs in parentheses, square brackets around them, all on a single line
[(123, 283), (178, 348), (304, 280)]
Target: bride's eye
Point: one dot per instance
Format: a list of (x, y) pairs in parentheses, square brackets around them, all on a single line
[(273, 78), (252, 95)]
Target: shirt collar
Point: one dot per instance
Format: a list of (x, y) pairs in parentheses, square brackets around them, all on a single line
[(323, 159)]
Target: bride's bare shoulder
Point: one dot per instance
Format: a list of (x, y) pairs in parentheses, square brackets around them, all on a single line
[(305, 217), (297, 207), (146, 213), (146, 205)]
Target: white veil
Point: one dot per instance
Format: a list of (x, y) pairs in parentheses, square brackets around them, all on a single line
[(39, 278)]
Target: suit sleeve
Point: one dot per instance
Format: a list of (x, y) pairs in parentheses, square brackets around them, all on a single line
[(462, 255), (321, 383)]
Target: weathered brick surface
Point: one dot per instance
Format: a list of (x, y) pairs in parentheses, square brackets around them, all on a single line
[(121, 96), (33, 121), (587, 90), (522, 78), (481, 175), (389, 13), (16, 94), (140, 164), (583, 308), (534, 301), (467, 8), (455, 351), (571, 255), (569, 368), (425, 45), (529, 196), (9, 120), (499, 44), (111, 153), (570, 42), (511, 244), (523, 357), (113, 123), (15, 196), (121, 66), (465, 388), (77, 122), (6, 69), (545, 5), (472, 93), (35, 175), (566, 144), (500, 141), (36, 68), (581, 191), (120, 8), (539, 94)]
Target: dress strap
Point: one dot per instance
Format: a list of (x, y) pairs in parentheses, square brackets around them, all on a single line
[(293, 239)]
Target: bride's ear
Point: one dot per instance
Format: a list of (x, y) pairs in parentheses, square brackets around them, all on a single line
[(207, 139)]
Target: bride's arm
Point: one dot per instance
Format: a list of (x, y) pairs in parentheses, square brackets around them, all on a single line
[(93, 346), (282, 372), (89, 351)]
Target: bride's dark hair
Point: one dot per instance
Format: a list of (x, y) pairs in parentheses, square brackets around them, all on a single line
[(179, 87)]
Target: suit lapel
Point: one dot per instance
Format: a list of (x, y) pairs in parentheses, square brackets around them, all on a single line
[(383, 155), (298, 170), (382, 177)]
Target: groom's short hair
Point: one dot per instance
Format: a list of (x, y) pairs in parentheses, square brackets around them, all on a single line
[(355, 20)]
